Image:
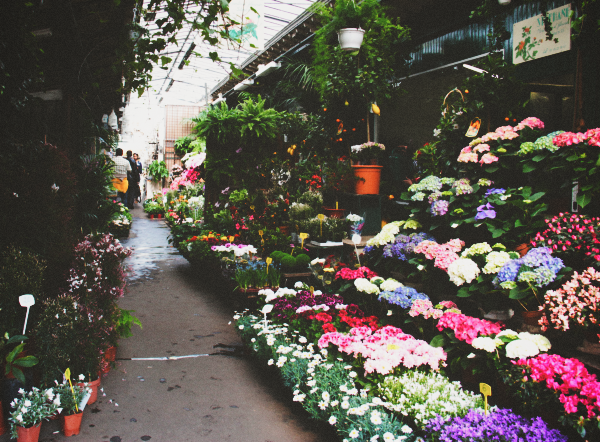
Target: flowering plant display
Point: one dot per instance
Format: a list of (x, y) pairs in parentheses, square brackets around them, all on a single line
[(389, 231), (573, 238), (364, 153), (466, 328), (71, 401), (395, 293), (423, 396), (570, 384), (32, 407), (385, 349), (442, 254), (525, 276), (357, 223), (509, 344), (396, 255), (501, 425), (576, 303), (253, 274), (348, 274)]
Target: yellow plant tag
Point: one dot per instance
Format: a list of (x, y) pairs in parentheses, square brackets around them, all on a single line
[(303, 236), (231, 238), (260, 232), (252, 208), (486, 390), (68, 376), (269, 260), (312, 291), (321, 217)]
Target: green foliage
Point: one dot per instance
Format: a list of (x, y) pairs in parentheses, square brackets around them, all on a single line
[(158, 170), (14, 362), (369, 74), (288, 262), (302, 260), (21, 272), (183, 145), (124, 321)]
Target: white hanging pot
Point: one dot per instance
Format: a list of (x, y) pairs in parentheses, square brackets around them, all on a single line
[(351, 38)]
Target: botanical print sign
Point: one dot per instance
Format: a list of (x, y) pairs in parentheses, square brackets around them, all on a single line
[(529, 36)]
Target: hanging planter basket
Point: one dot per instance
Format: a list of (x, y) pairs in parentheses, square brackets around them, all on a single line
[(351, 38)]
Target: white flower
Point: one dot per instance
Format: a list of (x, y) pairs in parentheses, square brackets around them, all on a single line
[(27, 403), (437, 132), (495, 261), (241, 327), (463, 270), (21, 391), (388, 437), (298, 285), (345, 404), (521, 349), (542, 343), (406, 429), (484, 343), (374, 438), (271, 362), (19, 418), (363, 285), (54, 188), (332, 420), (376, 417), (81, 377), (354, 433), (390, 285), (326, 396), (508, 333)]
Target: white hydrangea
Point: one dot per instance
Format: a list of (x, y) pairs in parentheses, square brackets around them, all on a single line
[(463, 270), (495, 261), (317, 261), (542, 342), (508, 333), (521, 349), (477, 249), (365, 286), (390, 285), (484, 343), (387, 235)]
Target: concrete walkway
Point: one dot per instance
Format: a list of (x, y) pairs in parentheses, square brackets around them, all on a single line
[(206, 398)]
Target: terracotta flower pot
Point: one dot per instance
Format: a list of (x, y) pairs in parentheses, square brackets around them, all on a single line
[(72, 424), (109, 356), (159, 216), (285, 230), (371, 174), (522, 249), (334, 213), (31, 434), (94, 385), (532, 318), (2, 424), (151, 216)]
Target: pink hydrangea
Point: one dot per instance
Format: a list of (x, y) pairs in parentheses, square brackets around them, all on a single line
[(593, 137), (488, 158), (467, 328), (350, 275), (568, 138), (443, 254), (532, 122), (482, 148), (385, 349)]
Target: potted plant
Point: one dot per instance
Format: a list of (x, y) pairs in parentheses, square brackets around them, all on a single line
[(158, 170), (15, 360), (73, 399), (366, 170), (29, 411)]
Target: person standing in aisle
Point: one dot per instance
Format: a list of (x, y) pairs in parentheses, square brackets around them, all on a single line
[(121, 170), (133, 177), (138, 195)]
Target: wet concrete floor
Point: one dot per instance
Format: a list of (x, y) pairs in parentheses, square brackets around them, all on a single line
[(220, 395)]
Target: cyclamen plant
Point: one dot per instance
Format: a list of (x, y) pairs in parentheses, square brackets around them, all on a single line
[(32, 407)]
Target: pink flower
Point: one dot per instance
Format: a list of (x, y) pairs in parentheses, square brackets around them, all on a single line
[(467, 328), (482, 148), (532, 122), (488, 158), (568, 138)]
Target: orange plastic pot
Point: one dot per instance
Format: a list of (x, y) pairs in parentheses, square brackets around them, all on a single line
[(371, 177), (522, 249), (94, 385), (31, 434), (72, 424)]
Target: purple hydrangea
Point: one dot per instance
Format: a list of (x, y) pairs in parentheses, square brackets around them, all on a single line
[(485, 211), (499, 425), (494, 191), (439, 208), (404, 245), (402, 296), (538, 260)]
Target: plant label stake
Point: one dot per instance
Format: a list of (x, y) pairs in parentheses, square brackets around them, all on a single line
[(266, 309), (269, 260), (26, 301), (486, 390), (231, 239), (68, 376), (260, 232), (303, 236), (312, 291), (321, 218)]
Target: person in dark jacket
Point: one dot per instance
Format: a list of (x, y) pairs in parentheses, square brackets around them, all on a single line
[(133, 177)]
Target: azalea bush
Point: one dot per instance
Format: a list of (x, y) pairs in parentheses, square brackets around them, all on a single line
[(575, 304)]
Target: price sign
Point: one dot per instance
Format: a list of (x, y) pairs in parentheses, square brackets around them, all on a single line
[(68, 376), (269, 260), (312, 291), (303, 236), (486, 390), (321, 218), (231, 238), (262, 240)]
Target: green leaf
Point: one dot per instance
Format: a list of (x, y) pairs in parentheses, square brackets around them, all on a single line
[(27, 361), (517, 294), (536, 196), (528, 167), (573, 158), (584, 200), (438, 341), (519, 223), (18, 374), (539, 157), (491, 169), (463, 293)]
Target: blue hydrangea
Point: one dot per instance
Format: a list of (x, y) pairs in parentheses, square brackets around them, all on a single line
[(402, 296), (494, 191), (538, 261), (404, 245), (509, 271)]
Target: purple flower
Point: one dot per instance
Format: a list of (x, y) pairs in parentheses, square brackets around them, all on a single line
[(494, 191), (225, 191), (485, 211), (439, 208), (239, 150)]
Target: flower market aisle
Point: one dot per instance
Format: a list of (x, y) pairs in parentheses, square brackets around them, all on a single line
[(210, 398)]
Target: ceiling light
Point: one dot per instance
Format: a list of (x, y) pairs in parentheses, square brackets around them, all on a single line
[(266, 69), (473, 68), (243, 85)]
